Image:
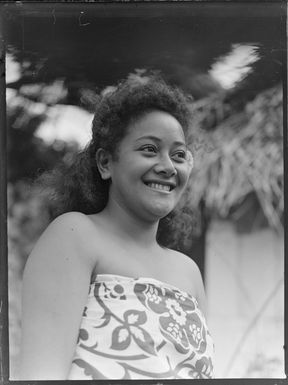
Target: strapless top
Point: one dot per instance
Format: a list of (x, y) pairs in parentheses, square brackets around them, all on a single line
[(141, 328)]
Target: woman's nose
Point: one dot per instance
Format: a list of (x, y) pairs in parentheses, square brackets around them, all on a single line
[(165, 166)]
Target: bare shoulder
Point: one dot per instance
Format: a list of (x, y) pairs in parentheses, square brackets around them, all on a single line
[(70, 221), (65, 236), (75, 224), (186, 263)]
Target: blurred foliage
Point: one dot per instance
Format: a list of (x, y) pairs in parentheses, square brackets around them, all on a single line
[(240, 174), (27, 218), (28, 156)]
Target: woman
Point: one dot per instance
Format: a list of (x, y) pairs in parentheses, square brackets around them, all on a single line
[(101, 297)]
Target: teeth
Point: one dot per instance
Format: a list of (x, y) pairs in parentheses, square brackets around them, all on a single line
[(158, 186)]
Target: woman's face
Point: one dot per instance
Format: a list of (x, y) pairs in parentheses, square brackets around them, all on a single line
[(151, 170)]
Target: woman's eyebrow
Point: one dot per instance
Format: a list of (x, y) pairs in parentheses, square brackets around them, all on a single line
[(156, 139)]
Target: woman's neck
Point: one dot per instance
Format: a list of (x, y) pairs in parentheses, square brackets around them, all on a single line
[(129, 227)]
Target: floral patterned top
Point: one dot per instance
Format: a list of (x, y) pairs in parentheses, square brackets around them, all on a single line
[(141, 328)]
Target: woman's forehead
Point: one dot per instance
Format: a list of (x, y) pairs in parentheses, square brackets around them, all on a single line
[(157, 124)]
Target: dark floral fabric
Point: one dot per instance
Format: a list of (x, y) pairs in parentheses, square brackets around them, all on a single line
[(141, 328)]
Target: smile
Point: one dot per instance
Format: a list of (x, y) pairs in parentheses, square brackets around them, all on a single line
[(160, 186)]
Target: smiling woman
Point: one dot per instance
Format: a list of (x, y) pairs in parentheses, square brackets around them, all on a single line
[(128, 307), (153, 155)]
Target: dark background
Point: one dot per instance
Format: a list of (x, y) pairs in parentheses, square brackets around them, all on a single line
[(98, 44)]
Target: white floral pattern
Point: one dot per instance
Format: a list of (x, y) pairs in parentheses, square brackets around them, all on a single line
[(141, 329)]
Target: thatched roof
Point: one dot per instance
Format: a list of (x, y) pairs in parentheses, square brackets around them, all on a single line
[(242, 155)]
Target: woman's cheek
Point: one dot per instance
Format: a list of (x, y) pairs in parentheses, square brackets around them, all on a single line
[(190, 161), (185, 172)]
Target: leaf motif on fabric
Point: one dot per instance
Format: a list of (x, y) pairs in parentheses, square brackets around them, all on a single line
[(89, 371), (123, 335), (135, 317), (139, 290), (143, 340), (120, 338), (196, 333), (172, 332), (138, 333)]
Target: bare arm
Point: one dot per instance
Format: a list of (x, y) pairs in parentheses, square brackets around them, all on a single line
[(55, 287)]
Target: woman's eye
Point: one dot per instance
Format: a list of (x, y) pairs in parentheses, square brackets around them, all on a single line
[(179, 155), (149, 148)]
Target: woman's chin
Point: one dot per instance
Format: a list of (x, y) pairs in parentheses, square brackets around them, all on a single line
[(160, 211)]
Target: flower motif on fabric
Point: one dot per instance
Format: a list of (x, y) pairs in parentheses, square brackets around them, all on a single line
[(131, 330), (134, 328), (176, 311), (203, 368), (153, 294), (82, 335), (116, 292), (179, 322)]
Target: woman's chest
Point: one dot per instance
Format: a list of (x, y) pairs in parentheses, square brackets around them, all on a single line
[(142, 264)]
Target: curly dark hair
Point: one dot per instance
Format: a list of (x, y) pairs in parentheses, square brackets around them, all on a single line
[(80, 186)]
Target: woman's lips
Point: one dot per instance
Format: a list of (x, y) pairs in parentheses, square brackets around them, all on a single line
[(166, 187)]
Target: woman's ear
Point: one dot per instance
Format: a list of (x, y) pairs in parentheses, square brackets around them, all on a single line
[(103, 160)]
